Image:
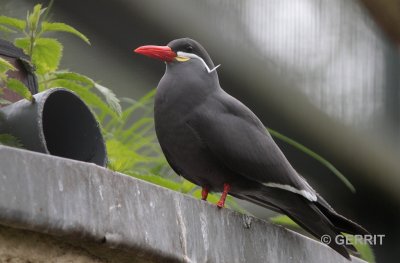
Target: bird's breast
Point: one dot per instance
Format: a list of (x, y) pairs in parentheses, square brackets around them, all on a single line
[(178, 99), (183, 148)]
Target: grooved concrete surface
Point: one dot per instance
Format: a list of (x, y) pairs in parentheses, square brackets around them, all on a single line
[(115, 218)]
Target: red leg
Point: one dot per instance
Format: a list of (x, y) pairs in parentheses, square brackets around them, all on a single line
[(204, 193), (221, 201)]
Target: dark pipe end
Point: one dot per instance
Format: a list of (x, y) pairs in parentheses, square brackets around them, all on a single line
[(70, 129)]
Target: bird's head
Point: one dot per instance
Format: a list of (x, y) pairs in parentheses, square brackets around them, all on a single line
[(179, 51)]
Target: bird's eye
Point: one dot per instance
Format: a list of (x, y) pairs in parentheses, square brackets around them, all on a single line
[(189, 48)]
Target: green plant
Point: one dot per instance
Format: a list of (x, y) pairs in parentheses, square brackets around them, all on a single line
[(133, 148), (9, 140), (130, 138), (13, 84), (46, 54)]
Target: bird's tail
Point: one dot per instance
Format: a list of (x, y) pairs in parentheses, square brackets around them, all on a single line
[(318, 218)]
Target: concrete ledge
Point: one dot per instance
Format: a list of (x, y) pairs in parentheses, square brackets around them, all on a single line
[(117, 218), (17, 246)]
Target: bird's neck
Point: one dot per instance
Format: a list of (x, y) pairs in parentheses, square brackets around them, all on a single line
[(186, 86), (191, 77)]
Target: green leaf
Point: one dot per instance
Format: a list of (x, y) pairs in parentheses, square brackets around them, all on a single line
[(144, 123), (110, 97), (46, 27), (5, 65), (74, 77), (364, 249), (9, 140), (13, 22), (187, 186), (314, 155), (143, 103), (48, 8), (19, 88), (86, 95), (284, 221), (33, 19), (22, 43), (46, 53), (6, 29), (158, 180), (211, 198), (122, 157)]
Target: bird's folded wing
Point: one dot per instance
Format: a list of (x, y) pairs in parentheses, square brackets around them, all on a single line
[(239, 140)]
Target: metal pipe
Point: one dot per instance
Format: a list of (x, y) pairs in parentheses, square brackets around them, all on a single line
[(57, 123)]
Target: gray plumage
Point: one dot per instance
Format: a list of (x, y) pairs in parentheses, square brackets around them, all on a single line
[(211, 138)]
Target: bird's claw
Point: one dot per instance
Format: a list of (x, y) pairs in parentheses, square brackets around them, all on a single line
[(204, 193), (221, 202)]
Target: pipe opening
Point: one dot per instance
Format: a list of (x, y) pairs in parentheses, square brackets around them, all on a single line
[(70, 129)]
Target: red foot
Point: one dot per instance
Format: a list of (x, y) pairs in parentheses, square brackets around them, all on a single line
[(204, 193), (221, 202)]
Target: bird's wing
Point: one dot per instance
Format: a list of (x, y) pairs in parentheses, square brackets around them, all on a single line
[(239, 140)]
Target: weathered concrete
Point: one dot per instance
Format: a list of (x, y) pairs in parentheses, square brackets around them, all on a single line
[(23, 246), (121, 219)]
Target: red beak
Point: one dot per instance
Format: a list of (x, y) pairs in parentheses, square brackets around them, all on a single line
[(163, 53)]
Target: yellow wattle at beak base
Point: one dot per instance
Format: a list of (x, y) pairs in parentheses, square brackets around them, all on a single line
[(181, 59)]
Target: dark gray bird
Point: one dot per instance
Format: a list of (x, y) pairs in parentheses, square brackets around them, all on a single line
[(216, 142)]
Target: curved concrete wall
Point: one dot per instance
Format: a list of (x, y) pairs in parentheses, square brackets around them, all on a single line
[(114, 217)]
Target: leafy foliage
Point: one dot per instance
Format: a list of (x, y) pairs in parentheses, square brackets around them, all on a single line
[(284, 221), (9, 140), (61, 27), (130, 139), (110, 97), (46, 54), (20, 88), (15, 24), (364, 249), (5, 65), (12, 84), (133, 148)]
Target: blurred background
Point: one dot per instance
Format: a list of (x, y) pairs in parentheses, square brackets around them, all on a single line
[(323, 72)]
